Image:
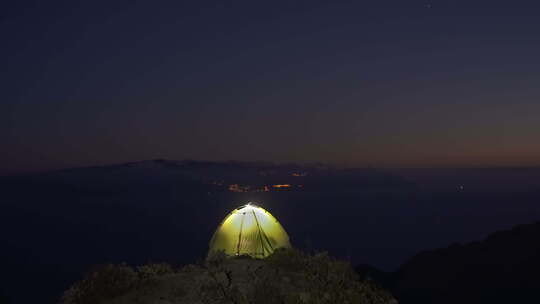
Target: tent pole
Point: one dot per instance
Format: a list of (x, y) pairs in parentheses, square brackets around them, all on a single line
[(240, 234), (262, 236)]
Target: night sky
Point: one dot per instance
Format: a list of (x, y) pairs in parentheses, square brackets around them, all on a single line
[(364, 83)]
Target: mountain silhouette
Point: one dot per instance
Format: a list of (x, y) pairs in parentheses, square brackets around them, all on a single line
[(503, 268)]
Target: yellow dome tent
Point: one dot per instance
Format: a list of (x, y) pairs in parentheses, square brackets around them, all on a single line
[(249, 230)]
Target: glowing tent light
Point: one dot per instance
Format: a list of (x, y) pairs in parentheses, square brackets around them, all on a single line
[(249, 230)]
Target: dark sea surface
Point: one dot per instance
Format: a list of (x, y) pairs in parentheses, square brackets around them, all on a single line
[(52, 234)]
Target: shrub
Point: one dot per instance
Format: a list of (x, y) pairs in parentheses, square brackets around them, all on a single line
[(154, 270), (104, 282)]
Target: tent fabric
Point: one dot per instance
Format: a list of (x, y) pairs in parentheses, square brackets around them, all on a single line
[(249, 230)]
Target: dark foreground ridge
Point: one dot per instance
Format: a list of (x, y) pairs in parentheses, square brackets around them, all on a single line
[(287, 276), (503, 268)]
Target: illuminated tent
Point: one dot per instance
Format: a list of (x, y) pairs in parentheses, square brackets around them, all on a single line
[(249, 230)]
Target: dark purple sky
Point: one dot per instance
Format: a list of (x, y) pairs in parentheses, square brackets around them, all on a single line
[(379, 83)]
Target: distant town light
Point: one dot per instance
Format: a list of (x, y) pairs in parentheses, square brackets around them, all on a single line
[(258, 188)]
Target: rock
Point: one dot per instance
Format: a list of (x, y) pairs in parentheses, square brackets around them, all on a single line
[(287, 276)]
